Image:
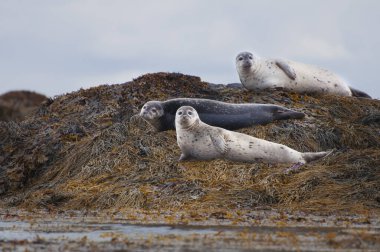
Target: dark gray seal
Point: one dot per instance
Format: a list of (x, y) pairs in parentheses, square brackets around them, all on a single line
[(161, 115)]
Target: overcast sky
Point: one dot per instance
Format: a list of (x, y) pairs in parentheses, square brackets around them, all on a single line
[(59, 46)]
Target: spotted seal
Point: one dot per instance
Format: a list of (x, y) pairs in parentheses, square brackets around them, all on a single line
[(200, 141), (256, 73)]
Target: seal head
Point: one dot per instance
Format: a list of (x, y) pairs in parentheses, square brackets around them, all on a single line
[(151, 112), (245, 60), (186, 118)]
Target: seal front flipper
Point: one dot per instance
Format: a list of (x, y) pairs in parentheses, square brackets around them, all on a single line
[(219, 140), (288, 70), (242, 82), (185, 157)]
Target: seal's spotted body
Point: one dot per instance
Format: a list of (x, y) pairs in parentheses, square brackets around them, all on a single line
[(199, 141), (256, 73)]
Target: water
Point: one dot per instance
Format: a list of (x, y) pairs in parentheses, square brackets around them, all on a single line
[(20, 230), (66, 235)]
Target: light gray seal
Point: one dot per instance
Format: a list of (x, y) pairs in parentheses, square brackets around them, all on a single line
[(256, 73), (161, 114), (199, 141)]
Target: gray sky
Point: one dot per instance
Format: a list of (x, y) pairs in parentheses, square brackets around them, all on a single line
[(54, 47)]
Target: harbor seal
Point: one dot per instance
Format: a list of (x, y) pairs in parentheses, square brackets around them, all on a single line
[(256, 73), (231, 116), (199, 141)]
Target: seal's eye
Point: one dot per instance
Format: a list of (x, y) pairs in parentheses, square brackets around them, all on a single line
[(250, 57), (240, 58), (144, 107), (154, 110), (180, 113), (189, 113)]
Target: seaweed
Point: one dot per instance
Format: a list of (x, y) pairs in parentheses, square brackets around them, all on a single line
[(86, 150)]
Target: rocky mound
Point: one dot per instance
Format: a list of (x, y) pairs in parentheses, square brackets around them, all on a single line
[(17, 105), (83, 150)]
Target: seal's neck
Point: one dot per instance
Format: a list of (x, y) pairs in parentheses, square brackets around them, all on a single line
[(156, 123), (254, 69), (192, 126)]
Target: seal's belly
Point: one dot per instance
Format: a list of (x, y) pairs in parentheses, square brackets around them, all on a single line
[(309, 79), (314, 79), (198, 146), (249, 149)]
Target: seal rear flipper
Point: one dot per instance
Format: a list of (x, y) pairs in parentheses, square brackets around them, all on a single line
[(357, 93), (284, 114), (287, 69), (311, 156)]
